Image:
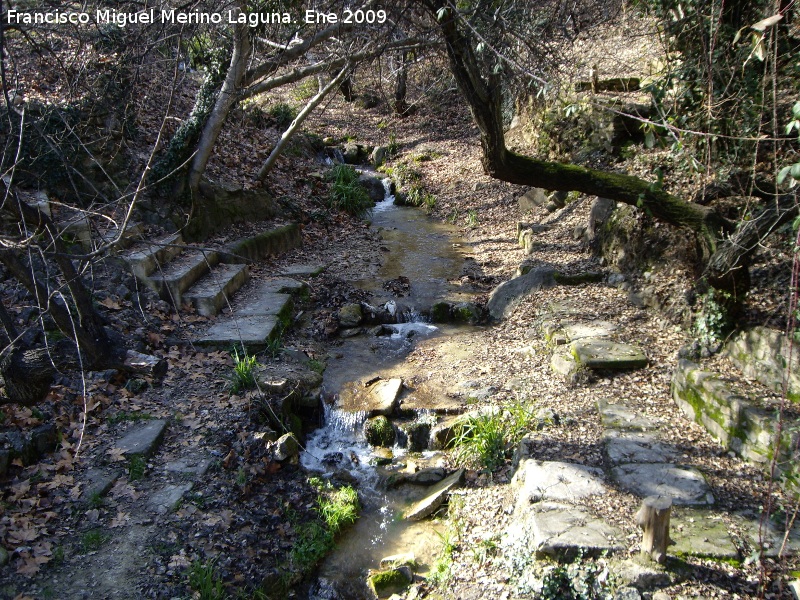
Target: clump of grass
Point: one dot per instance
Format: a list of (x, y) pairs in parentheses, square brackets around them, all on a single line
[(204, 580), (472, 219), (94, 539), (485, 439), (137, 466), (132, 417), (442, 567), (347, 193), (244, 371)]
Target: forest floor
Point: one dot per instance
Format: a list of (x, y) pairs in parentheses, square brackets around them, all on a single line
[(240, 520)]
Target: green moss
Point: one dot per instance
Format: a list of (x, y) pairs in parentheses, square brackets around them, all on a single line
[(388, 582), (379, 432), (440, 312)]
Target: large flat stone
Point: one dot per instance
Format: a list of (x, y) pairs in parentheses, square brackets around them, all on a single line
[(685, 485), (266, 303), (540, 480), (378, 398), (700, 533), (621, 415), (597, 353), (560, 530), (168, 498), (250, 331), (769, 534), (594, 329), (637, 447), (434, 498), (508, 294), (145, 439)]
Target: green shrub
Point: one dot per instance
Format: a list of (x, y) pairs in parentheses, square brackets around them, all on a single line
[(347, 193), (205, 582), (283, 114)]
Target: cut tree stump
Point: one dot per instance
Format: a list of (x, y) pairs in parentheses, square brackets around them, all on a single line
[(653, 518)]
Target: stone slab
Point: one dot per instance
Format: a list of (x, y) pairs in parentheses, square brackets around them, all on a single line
[(434, 498), (265, 303), (145, 439), (250, 331), (769, 534), (637, 447), (594, 329), (170, 283), (685, 485), (540, 480), (282, 285), (700, 533), (143, 262), (560, 530), (194, 465), (168, 498), (598, 353), (309, 270), (508, 294), (620, 415), (99, 482)]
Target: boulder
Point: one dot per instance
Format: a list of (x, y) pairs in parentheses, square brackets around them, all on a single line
[(350, 315), (379, 155), (374, 187), (286, 447), (375, 398), (532, 200), (508, 294), (386, 582), (417, 435)]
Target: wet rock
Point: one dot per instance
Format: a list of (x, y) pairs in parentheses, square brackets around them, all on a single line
[(378, 431), (467, 312), (386, 582), (416, 435), (399, 560), (350, 315), (333, 459), (427, 476), (353, 153), (374, 187), (441, 312), (382, 456), (286, 447), (435, 497), (377, 398)]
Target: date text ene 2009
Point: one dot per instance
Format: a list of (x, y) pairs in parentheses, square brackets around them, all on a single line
[(349, 16)]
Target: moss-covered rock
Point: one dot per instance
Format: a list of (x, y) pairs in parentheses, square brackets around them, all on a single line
[(440, 312), (467, 312), (386, 582), (378, 431)]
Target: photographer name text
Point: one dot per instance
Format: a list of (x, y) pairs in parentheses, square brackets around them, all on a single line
[(176, 17)]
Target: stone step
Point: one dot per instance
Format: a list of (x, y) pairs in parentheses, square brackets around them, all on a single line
[(684, 484), (213, 291), (143, 440), (132, 233), (257, 321), (145, 261), (182, 273)]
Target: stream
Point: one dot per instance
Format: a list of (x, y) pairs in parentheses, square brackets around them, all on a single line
[(431, 257)]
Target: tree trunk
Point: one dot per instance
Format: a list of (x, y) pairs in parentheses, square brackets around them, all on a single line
[(28, 374), (401, 89), (312, 104), (653, 518), (227, 100)]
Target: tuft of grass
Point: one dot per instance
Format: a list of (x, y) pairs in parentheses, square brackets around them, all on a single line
[(137, 466), (96, 500), (442, 567), (347, 193), (472, 219), (244, 368), (485, 439), (132, 417), (93, 539), (203, 579), (316, 365)]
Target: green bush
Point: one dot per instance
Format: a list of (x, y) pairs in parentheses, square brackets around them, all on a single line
[(283, 114), (347, 193)]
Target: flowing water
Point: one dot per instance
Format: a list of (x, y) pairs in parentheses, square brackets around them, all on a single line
[(431, 257)]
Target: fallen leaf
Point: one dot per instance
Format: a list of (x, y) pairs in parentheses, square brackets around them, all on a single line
[(116, 454), (111, 304)]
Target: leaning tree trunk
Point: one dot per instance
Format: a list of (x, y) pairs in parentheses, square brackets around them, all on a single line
[(401, 87), (483, 95)]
